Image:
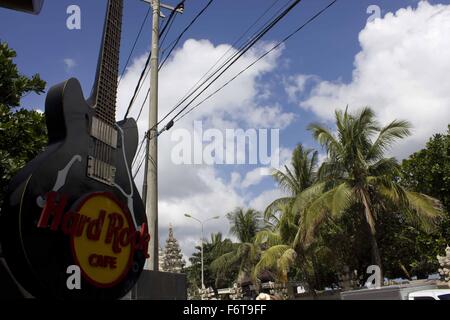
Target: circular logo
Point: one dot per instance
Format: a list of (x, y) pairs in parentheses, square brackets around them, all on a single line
[(102, 241)]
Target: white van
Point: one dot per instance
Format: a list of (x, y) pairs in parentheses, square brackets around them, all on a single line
[(436, 294)]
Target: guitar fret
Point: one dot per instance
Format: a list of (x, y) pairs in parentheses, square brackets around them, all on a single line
[(109, 68)]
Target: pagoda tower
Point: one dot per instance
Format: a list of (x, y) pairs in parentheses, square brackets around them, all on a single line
[(172, 258)]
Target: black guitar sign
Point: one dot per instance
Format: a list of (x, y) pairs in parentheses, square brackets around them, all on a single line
[(76, 203)]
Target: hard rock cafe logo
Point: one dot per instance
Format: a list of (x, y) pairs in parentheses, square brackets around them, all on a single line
[(102, 235)]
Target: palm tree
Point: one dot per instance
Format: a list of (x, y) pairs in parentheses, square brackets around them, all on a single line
[(282, 220), (357, 173), (296, 179), (278, 239), (212, 249), (245, 224)]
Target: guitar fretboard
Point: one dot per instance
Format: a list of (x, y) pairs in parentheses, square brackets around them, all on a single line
[(109, 64)]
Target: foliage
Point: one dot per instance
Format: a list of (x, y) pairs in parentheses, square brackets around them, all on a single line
[(13, 85), (301, 175), (22, 132), (358, 208), (428, 170), (337, 216), (212, 249), (357, 173), (283, 253), (244, 224)]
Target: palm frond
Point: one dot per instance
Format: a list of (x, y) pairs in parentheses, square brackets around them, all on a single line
[(245, 223), (384, 167), (388, 189), (325, 138), (270, 258), (285, 262), (425, 208), (303, 200), (274, 207), (224, 262), (268, 237), (285, 180), (395, 130), (334, 202)]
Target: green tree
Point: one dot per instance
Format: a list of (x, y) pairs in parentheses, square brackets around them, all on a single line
[(244, 225), (278, 240), (282, 250), (212, 249), (22, 132), (357, 173), (295, 179), (428, 170), (13, 85)]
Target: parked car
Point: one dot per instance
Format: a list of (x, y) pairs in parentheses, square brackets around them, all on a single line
[(401, 291), (436, 294)]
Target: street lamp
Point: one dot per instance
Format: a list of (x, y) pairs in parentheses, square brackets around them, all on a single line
[(201, 243)]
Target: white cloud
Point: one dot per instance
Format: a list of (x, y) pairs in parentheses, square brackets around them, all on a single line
[(269, 117), (69, 63), (296, 84), (402, 71), (198, 189), (254, 177), (265, 198)]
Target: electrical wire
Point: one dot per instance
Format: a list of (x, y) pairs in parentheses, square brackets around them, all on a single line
[(134, 45), (226, 53), (230, 61), (239, 54), (175, 42), (257, 60), (139, 84)]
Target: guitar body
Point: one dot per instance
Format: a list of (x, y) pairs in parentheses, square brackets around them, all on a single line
[(38, 256)]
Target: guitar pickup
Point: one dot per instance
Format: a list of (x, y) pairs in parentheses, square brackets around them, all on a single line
[(104, 132), (101, 171)]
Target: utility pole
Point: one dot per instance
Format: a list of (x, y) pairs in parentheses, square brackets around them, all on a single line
[(150, 188), (152, 141)]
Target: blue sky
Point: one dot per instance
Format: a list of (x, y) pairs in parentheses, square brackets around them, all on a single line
[(46, 40), (324, 52)]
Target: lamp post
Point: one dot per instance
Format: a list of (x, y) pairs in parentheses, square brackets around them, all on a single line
[(201, 242)]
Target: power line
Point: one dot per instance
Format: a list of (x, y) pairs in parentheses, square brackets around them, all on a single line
[(139, 150), (168, 30), (257, 60), (230, 61), (175, 42), (139, 167), (138, 158), (142, 107), (239, 55), (141, 162), (134, 45), (137, 87), (229, 49), (139, 84)]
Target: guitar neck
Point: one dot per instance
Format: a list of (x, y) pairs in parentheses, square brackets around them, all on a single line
[(105, 87)]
